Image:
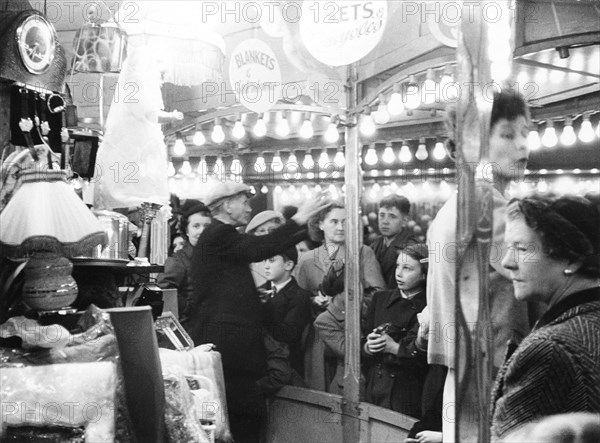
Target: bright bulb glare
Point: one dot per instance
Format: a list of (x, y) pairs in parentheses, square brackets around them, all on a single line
[(429, 92), (277, 164), (199, 138), (260, 165), (500, 70), (367, 126), (422, 153), (264, 189), (306, 131), (179, 148), (405, 154), (186, 168), (382, 116), (586, 133), (323, 160), (283, 128), (218, 136), (238, 130), (339, 159), (260, 128), (388, 155), (170, 169), (236, 166), (533, 140), (568, 137), (413, 97), (549, 139), (332, 135), (395, 106), (308, 162), (371, 157), (439, 152)]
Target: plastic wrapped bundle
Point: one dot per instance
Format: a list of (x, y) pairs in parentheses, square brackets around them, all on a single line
[(181, 420)]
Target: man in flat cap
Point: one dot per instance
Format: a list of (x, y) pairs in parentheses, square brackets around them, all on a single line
[(225, 308)]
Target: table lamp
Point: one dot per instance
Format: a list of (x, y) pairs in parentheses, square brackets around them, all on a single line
[(45, 222)]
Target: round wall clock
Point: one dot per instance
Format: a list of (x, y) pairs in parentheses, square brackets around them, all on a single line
[(36, 43)]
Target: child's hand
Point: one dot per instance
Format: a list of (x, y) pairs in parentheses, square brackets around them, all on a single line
[(375, 342)]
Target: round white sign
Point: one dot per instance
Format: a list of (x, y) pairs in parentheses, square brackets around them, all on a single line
[(338, 33), (255, 75)]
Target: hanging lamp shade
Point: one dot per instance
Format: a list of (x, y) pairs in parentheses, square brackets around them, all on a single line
[(99, 48), (45, 214)]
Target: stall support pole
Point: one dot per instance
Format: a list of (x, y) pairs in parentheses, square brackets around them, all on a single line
[(353, 181)]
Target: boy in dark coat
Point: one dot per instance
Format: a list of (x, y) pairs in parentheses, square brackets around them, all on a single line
[(286, 305)]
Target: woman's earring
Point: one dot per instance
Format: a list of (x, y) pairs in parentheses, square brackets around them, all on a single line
[(568, 271)]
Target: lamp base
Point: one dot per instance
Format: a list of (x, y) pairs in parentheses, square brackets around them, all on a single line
[(48, 282)]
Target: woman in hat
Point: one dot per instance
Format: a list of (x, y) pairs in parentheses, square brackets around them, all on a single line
[(553, 258), (195, 218)]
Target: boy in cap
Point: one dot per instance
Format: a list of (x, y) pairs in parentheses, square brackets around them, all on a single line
[(286, 305)]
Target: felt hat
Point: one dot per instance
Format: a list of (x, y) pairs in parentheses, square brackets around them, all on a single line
[(263, 217)]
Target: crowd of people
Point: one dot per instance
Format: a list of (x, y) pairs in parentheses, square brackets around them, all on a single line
[(273, 304)]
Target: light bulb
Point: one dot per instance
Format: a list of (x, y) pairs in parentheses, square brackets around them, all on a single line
[(413, 97), (533, 140), (422, 153), (186, 168), (405, 154), (170, 170), (217, 136), (236, 166), (339, 159), (308, 162), (283, 127), (381, 116), (331, 135), (259, 165), (388, 155), (586, 132), (395, 105), (238, 130), (277, 164), (179, 148), (199, 138), (367, 125), (323, 159), (278, 189), (371, 157), (568, 137), (307, 131), (429, 88), (292, 159), (549, 139), (439, 152), (260, 128), (264, 189)]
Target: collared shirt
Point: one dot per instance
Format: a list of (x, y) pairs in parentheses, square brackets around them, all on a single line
[(280, 286)]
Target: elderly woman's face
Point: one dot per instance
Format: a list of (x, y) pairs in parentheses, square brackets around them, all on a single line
[(535, 275), (333, 226)]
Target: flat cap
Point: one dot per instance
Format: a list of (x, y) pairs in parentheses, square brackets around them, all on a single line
[(224, 190)]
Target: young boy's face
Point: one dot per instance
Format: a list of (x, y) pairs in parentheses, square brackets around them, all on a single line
[(277, 269)]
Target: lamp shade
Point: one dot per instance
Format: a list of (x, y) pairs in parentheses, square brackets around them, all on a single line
[(45, 214)]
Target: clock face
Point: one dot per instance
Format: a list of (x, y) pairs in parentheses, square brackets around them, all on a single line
[(35, 39)]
